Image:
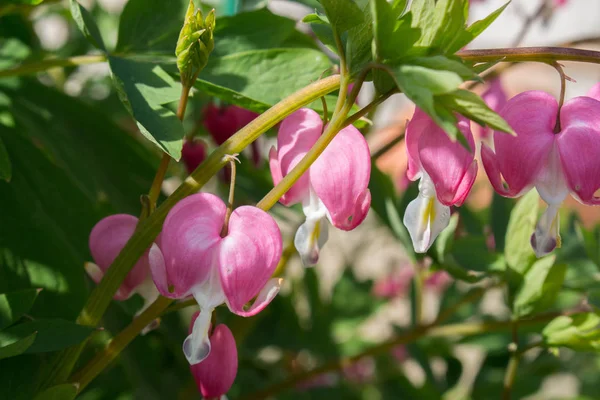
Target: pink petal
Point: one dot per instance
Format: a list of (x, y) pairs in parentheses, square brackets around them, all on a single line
[(247, 259), (215, 375), (243, 117), (579, 147), (594, 92), (340, 178), (419, 123), (297, 134), (193, 154), (220, 122), (519, 159), (190, 232), (448, 163), (107, 239)]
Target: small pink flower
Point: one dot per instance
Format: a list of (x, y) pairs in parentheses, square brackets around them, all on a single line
[(220, 122), (400, 353), (107, 239), (195, 260), (438, 281), (193, 154), (335, 186), (394, 285), (215, 375), (556, 164), (446, 171)]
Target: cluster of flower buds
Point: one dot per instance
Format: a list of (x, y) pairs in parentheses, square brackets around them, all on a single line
[(336, 185)]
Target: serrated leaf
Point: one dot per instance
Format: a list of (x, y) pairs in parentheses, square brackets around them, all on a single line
[(474, 30), (342, 14), (474, 108), (14, 305), (579, 332), (19, 346), (52, 334), (5, 164), (144, 88), (521, 224), (86, 24), (540, 287), (393, 37), (66, 391)]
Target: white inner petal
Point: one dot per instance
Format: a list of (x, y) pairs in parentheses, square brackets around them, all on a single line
[(550, 182), (425, 216), (196, 346), (546, 236)]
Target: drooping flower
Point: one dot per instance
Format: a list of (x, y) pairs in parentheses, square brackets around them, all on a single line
[(555, 162), (215, 374), (107, 239), (495, 98), (336, 185), (446, 171), (195, 260), (193, 154)]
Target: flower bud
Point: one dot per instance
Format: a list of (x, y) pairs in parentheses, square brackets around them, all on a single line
[(193, 154), (215, 375), (195, 44)]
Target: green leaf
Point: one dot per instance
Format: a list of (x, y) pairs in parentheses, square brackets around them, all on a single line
[(474, 30), (86, 25), (251, 31), (540, 287), (578, 332), (342, 14), (499, 215), (518, 252), (150, 26), (14, 305), (445, 240), (144, 88), (471, 253), (392, 37), (12, 52), (591, 242), (5, 165), (358, 44), (52, 334), (439, 22), (258, 79), (474, 108), (19, 346), (435, 81), (66, 391)]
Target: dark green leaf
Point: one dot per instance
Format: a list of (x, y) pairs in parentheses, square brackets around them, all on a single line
[(14, 305), (439, 22), (474, 108), (144, 88), (262, 77), (499, 214), (86, 25), (518, 252), (52, 334), (5, 165), (358, 44), (66, 391), (19, 346), (251, 31), (342, 14), (471, 253), (540, 286), (392, 37), (150, 26)]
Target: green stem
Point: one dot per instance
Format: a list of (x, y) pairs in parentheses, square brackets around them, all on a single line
[(149, 228), (460, 329), (511, 373), (522, 54), (39, 66), (118, 343)]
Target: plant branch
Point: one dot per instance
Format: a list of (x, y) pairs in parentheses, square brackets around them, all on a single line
[(460, 329), (149, 228), (102, 359), (522, 54), (39, 66)]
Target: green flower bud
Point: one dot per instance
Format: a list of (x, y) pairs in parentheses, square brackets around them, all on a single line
[(195, 44)]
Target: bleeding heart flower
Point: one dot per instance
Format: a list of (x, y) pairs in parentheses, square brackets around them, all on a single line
[(215, 375), (233, 269), (193, 154), (107, 239), (556, 164), (446, 171), (495, 98), (335, 186)]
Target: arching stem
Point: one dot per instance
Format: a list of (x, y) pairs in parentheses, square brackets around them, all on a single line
[(232, 160)]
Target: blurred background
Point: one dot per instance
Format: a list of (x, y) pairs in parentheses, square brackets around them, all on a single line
[(360, 294)]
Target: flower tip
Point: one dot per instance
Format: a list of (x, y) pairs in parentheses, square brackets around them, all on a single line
[(542, 244), (93, 271)]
